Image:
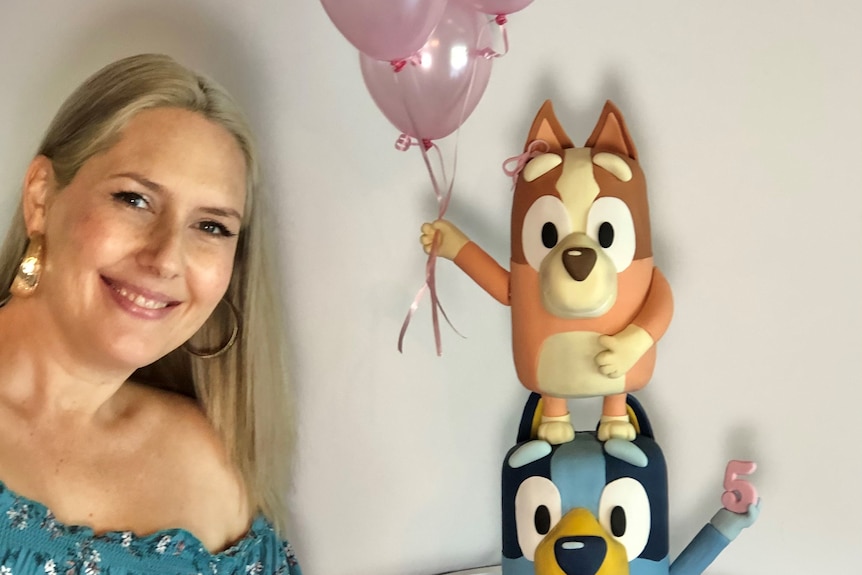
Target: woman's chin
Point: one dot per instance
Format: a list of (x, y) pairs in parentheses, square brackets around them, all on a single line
[(134, 356)]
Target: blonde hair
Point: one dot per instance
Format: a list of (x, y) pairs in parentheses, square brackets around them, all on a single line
[(244, 391)]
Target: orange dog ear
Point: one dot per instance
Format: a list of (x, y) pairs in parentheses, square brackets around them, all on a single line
[(546, 127), (611, 133)]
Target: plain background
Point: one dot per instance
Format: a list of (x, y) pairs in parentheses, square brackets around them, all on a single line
[(747, 117)]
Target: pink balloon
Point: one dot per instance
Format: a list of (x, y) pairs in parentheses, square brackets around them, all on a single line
[(497, 6), (433, 94), (385, 29)]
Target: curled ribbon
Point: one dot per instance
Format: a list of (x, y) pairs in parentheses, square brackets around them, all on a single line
[(442, 191), (489, 53), (430, 285), (536, 148)]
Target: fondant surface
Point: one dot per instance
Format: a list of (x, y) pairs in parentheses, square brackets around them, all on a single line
[(588, 507)]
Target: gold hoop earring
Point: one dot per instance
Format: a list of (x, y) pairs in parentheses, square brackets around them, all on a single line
[(224, 347), (30, 269)]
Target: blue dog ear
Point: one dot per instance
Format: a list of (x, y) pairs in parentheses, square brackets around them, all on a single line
[(530, 418), (638, 417)]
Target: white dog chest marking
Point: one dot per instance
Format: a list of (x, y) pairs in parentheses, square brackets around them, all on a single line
[(567, 367)]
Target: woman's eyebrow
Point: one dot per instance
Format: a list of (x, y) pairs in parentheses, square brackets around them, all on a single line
[(147, 183), (159, 189), (223, 212)]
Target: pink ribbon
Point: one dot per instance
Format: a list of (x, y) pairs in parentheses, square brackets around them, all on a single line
[(414, 59), (489, 53), (430, 284), (405, 142), (536, 148)]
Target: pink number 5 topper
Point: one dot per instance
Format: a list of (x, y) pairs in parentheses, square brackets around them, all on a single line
[(738, 493)]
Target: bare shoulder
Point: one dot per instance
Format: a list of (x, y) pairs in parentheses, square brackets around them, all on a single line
[(193, 456)]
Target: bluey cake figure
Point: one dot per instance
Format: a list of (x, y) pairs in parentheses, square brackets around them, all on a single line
[(575, 509)]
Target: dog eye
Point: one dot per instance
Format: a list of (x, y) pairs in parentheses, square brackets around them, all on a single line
[(606, 234), (624, 512), (550, 235), (538, 508), (610, 224), (546, 223)]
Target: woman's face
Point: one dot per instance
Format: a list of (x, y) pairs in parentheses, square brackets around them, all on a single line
[(139, 247)]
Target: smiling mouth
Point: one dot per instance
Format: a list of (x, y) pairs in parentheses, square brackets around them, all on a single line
[(140, 300), (137, 298)]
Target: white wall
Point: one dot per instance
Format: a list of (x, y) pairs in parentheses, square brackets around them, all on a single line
[(747, 117)]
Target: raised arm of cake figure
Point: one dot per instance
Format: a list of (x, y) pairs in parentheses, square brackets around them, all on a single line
[(454, 245), (723, 528), (741, 509)]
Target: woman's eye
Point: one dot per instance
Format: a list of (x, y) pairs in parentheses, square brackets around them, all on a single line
[(215, 229), (132, 199)]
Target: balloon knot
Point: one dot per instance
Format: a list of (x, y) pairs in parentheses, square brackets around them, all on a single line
[(414, 59), (405, 142)]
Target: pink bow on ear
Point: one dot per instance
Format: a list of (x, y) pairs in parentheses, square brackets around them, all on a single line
[(536, 148)]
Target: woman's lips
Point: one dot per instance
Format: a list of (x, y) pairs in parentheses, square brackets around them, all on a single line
[(139, 300)]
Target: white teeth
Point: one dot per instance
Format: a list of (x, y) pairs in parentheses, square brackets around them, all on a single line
[(140, 300)]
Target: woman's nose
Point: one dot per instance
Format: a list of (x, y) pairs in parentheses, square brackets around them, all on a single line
[(162, 252)]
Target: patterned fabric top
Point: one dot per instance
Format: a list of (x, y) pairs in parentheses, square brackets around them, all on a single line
[(33, 542)]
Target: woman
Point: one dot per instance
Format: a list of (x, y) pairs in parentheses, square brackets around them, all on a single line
[(141, 377)]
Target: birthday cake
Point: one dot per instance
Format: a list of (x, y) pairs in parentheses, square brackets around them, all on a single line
[(588, 507), (588, 308)]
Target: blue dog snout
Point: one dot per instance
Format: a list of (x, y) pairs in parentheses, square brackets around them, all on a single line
[(580, 555)]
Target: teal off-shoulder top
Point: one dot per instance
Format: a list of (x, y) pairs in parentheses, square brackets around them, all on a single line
[(33, 542)]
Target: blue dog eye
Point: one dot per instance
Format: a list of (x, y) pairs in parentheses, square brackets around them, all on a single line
[(542, 520), (624, 512), (538, 508), (618, 521)]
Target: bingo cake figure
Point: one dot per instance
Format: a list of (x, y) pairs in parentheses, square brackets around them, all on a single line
[(588, 304)]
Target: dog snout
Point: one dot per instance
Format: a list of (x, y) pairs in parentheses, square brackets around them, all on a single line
[(580, 555), (579, 262)]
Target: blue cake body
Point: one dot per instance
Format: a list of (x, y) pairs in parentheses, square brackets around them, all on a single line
[(572, 509)]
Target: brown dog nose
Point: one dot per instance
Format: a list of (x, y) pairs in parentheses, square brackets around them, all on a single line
[(579, 262)]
